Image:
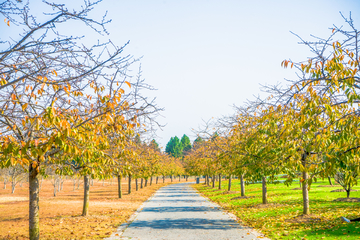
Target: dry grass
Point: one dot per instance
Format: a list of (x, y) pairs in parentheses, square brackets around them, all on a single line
[(60, 216)]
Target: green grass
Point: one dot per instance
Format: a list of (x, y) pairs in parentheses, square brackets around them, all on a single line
[(274, 222)]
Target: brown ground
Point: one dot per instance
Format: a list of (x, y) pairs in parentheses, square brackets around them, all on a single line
[(60, 216), (243, 197), (230, 192), (335, 185), (305, 219), (268, 205), (347, 200), (343, 190)]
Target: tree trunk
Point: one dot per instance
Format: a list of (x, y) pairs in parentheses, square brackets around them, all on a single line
[(187, 177), (163, 179), (79, 184), (151, 180), (59, 185), (136, 184), (157, 180), (5, 181), (62, 185), (86, 195), (348, 191), (171, 177), (102, 184), (229, 185), (119, 177), (142, 183), (213, 181), (129, 190), (55, 182), (13, 187), (264, 191), (179, 178), (41, 182), (146, 181), (329, 178), (305, 191), (219, 181), (242, 183), (34, 229), (305, 187)]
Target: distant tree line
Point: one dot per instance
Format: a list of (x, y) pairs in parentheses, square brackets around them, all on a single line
[(178, 148)]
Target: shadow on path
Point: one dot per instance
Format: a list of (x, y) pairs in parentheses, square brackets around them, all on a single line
[(180, 209), (187, 223)]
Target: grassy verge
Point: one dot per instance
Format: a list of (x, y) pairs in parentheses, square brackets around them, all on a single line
[(281, 218), (60, 216)]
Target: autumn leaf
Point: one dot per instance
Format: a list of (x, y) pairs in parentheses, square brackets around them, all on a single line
[(129, 84), (7, 21)]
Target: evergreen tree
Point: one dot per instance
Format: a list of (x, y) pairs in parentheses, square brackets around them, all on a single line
[(174, 147), (137, 139), (178, 148), (154, 145), (169, 146), (197, 142), (185, 141)]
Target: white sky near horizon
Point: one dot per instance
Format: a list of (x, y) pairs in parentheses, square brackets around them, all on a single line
[(204, 56)]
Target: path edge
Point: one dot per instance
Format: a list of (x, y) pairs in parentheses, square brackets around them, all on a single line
[(120, 230), (234, 217)]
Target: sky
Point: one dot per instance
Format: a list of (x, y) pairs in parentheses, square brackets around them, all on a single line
[(204, 56)]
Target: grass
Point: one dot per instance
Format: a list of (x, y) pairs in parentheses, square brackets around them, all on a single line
[(60, 216), (281, 218)]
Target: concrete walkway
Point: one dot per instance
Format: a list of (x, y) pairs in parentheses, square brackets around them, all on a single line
[(178, 212)]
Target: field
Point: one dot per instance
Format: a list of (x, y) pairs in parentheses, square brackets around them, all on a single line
[(60, 216), (281, 218)]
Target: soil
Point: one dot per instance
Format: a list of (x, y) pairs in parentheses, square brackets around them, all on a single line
[(269, 205), (347, 200), (60, 216), (335, 185), (244, 197), (343, 190), (305, 219), (230, 192)]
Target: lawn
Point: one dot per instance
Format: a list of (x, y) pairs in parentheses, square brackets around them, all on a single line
[(281, 218), (60, 216)]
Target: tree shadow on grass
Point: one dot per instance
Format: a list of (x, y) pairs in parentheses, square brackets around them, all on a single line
[(348, 231)]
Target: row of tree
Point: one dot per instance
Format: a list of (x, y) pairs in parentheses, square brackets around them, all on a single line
[(306, 130), (70, 105)]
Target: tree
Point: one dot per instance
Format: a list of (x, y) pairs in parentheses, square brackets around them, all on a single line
[(186, 144), (197, 142), (174, 147), (59, 98), (154, 145)]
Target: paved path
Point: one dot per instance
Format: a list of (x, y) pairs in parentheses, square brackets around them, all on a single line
[(178, 212)]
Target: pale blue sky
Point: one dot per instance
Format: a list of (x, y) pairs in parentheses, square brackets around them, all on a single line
[(206, 55), (203, 56)]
